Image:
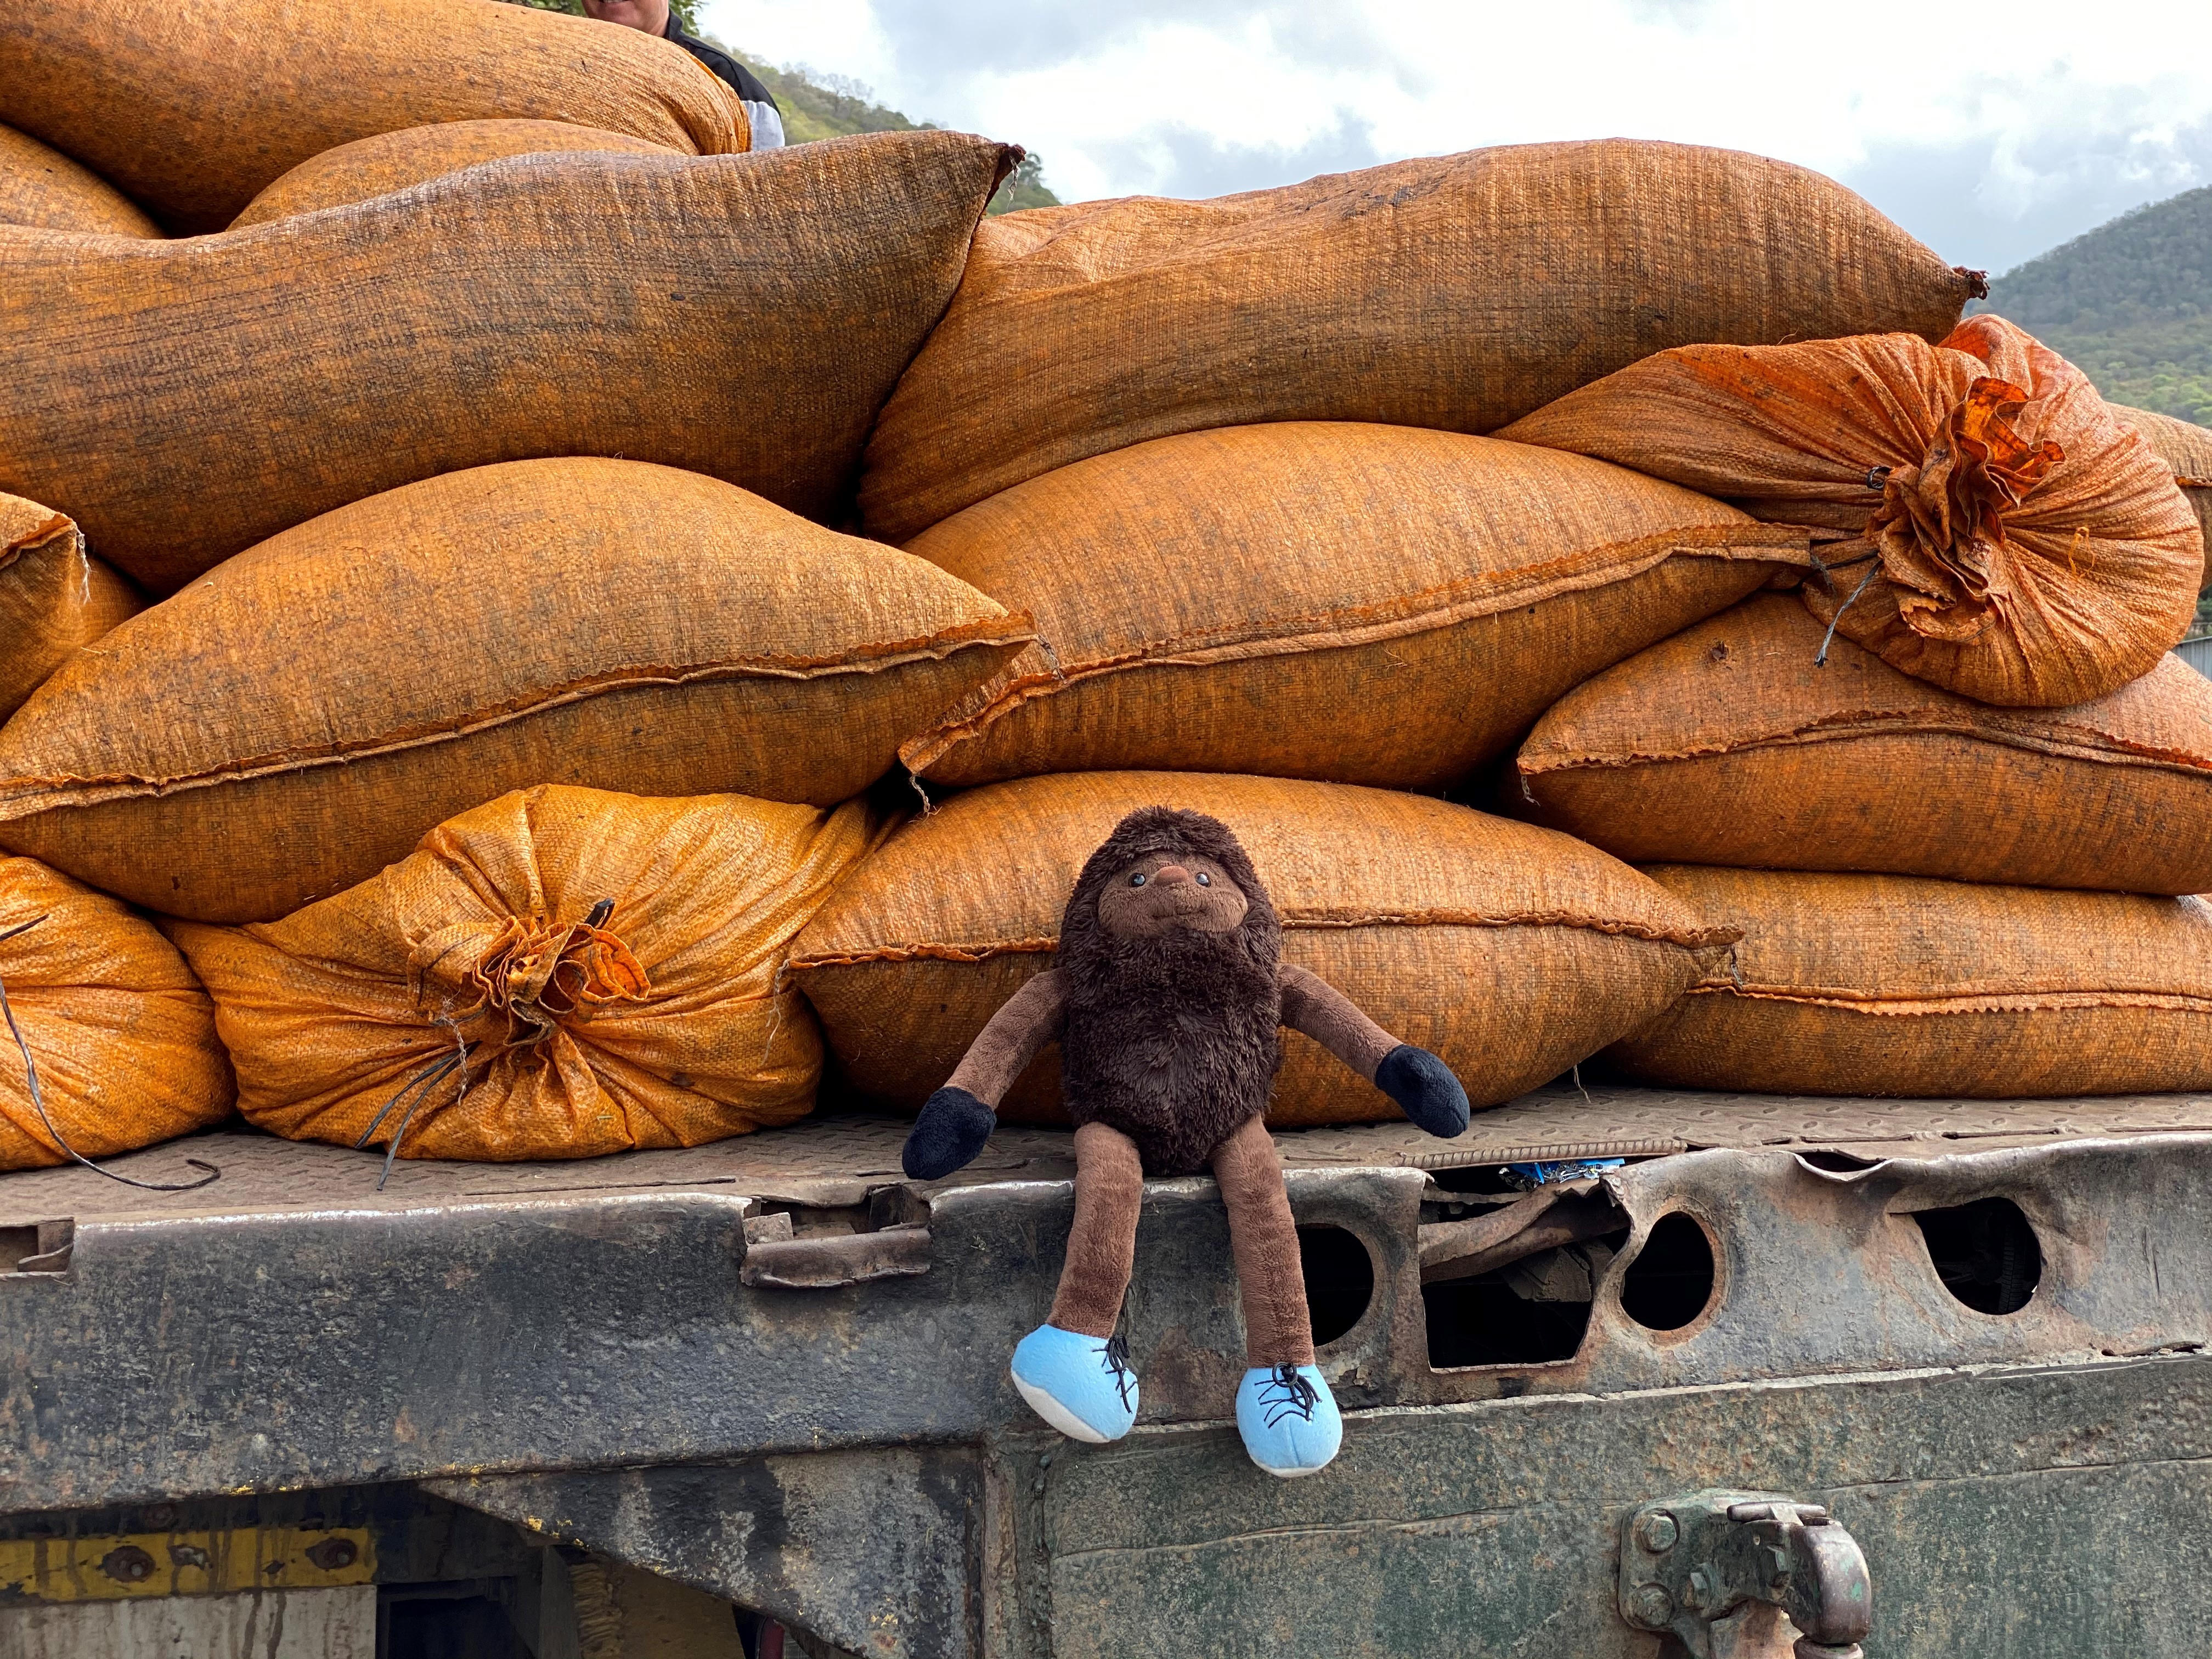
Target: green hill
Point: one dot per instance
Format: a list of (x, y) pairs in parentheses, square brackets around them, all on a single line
[(833, 106), (2131, 302)]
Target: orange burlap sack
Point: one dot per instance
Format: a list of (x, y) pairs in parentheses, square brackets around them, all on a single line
[(1511, 951), (1895, 985), (558, 974), (1455, 291), (191, 109), (386, 161), (1400, 603), (1726, 746), (2005, 536), (43, 188), (741, 316), (2186, 449), (123, 1036), (297, 720), (54, 597)]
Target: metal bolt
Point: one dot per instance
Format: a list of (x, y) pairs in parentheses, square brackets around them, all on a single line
[(1699, 1592), (126, 1563), (1657, 1532), (333, 1553), (1652, 1607)]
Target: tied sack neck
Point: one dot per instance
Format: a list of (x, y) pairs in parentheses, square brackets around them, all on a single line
[(1939, 531), (528, 975)]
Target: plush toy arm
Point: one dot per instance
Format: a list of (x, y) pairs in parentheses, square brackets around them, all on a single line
[(958, 1118), (1422, 1086)]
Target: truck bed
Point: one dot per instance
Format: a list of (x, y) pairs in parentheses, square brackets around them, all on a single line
[(833, 1160)]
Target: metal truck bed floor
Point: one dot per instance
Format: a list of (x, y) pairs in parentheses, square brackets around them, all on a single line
[(835, 1160)]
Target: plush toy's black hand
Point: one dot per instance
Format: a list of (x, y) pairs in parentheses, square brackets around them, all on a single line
[(949, 1133), (1424, 1088)]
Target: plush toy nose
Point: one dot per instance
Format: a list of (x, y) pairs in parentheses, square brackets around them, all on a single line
[(1171, 875)]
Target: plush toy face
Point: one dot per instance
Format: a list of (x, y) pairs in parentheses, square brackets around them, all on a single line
[(1158, 894)]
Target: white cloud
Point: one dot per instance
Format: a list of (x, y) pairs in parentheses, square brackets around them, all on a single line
[(1989, 132)]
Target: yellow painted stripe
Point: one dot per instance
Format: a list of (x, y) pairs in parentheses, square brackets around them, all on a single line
[(184, 1563)]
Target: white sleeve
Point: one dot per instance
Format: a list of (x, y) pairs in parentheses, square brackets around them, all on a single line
[(768, 126)]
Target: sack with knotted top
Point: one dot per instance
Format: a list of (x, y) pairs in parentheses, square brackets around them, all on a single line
[(189, 109), (1901, 986), (1398, 603), (1510, 951), (559, 973), (2186, 449), (1726, 745), (1999, 532), (121, 1034)]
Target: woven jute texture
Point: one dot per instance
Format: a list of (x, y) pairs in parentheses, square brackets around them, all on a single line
[(43, 188), (299, 718), (191, 109), (1458, 291), (742, 316), (2186, 449), (123, 1036), (386, 161), (2004, 534), (1896, 985), (532, 1022), (54, 597), (1511, 951), (1727, 745), (1370, 605)]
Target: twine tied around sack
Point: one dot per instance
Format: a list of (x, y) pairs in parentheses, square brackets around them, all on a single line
[(537, 974), (1939, 531), (531, 973), (38, 1101)]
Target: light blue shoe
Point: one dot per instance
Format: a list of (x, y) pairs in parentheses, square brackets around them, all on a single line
[(1081, 1385), (1288, 1419)]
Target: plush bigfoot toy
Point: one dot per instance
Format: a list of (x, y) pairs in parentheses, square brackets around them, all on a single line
[(1167, 997)]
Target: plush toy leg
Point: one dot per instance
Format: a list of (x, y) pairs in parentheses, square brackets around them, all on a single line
[(1071, 1370), (1283, 1408)]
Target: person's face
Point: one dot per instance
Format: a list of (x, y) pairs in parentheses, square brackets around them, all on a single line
[(651, 15)]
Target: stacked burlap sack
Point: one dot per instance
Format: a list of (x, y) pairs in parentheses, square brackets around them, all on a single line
[(501, 748)]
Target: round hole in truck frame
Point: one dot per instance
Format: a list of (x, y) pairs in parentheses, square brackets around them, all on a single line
[(1985, 1252), (1340, 1277), (1670, 1282)]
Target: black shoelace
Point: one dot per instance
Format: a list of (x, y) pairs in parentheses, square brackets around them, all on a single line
[(1116, 1354), (1287, 1393)]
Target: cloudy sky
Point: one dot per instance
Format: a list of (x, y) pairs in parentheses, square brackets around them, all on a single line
[(1991, 133)]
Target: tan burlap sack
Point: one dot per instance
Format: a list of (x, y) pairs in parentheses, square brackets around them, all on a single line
[(191, 109), (1457, 291), (386, 161), (296, 720), (43, 189), (1370, 605), (2186, 449), (1511, 951), (559, 973), (1725, 744), (54, 597), (122, 1036), (1999, 532), (1895, 985), (740, 316)]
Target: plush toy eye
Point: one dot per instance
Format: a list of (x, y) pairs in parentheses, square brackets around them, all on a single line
[(1205, 880), (1137, 880)]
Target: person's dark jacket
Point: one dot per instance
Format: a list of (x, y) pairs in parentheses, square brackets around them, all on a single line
[(760, 103)]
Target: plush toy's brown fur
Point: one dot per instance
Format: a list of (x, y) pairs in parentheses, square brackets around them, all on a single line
[(1174, 1040)]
